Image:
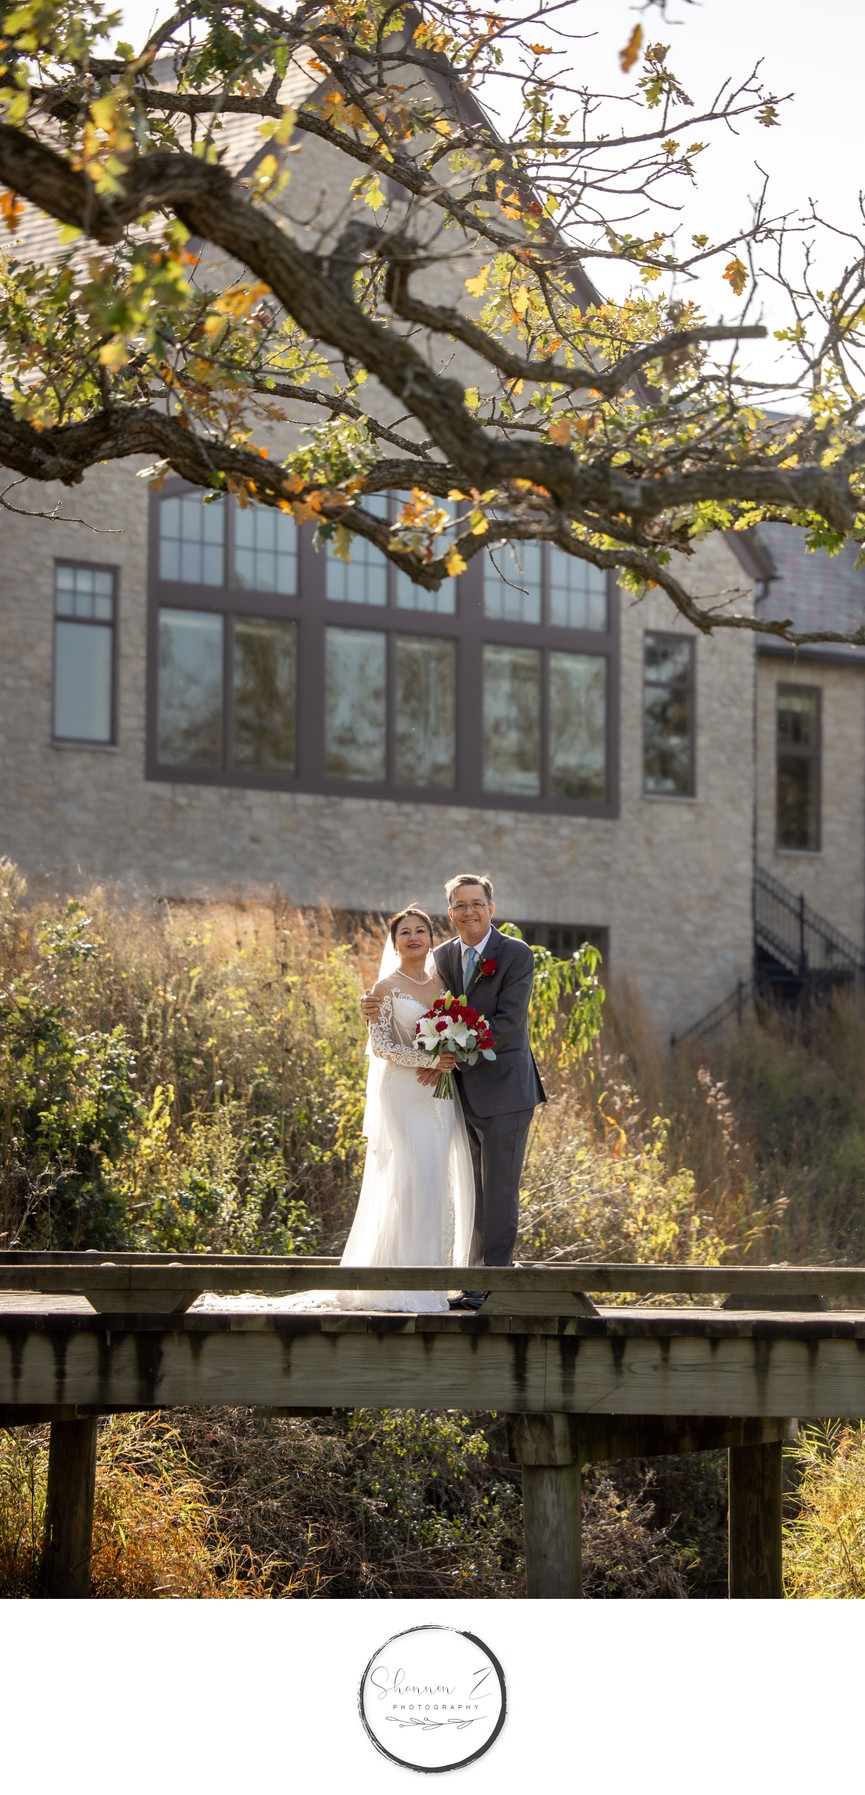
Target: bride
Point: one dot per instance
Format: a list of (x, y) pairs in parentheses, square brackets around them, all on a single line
[(417, 1198), (416, 1204)]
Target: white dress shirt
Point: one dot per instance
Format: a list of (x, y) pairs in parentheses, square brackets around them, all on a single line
[(479, 950)]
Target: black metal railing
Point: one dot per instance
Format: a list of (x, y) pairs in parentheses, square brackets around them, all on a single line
[(801, 940), (737, 1004), (796, 952)]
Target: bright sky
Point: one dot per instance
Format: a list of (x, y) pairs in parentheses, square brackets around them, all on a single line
[(814, 52)]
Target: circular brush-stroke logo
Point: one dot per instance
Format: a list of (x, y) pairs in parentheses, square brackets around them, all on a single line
[(433, 1698)]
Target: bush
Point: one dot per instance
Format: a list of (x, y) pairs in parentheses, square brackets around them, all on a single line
[(364, 1504), (176, 1081), (597, 1186)]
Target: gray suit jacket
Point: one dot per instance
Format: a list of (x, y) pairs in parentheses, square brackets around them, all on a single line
[(511, 1081)]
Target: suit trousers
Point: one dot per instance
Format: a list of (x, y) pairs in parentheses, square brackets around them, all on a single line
[(498, 1147)]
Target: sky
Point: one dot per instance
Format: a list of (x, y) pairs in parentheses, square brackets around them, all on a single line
[(816, 53)]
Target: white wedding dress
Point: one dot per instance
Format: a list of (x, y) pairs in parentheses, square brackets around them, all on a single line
[(416, 1203)]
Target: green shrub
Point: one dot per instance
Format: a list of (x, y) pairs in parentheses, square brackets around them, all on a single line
[(366, 1504), (824, 1539)]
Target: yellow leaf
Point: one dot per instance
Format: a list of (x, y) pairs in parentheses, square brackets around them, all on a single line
[(286, 126), (103, 110), (454, 561), (520, 299), (478, 284), (265, 171), (17, 109), (472, 398), (561, 431), (114, 355), (628, 56), (478, 524), (373, 196), (737, 275)]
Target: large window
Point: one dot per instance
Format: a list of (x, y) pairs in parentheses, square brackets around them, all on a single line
[(226, 691), (272, 663), (85, 604), (798, 768), (668, 717)]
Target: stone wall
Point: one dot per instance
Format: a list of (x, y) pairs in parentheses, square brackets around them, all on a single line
[(669, 878)]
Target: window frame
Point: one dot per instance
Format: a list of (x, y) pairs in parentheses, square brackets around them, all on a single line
[(793, 752), (313, 613), (109, 567), (677, 636)]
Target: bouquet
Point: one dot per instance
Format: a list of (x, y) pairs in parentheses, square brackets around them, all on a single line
[(452, 1026)]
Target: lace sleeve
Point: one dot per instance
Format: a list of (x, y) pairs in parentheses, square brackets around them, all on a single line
[(384, 1044)]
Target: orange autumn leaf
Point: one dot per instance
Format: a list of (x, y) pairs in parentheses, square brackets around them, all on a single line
[(737, 275), (11, 208), (561, 431), (628, 56)]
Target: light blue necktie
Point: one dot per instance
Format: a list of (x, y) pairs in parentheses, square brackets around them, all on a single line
[(471, 965)]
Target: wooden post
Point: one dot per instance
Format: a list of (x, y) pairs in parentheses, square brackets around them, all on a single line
[(547, 1448), (68, 1544), (755, 1521)]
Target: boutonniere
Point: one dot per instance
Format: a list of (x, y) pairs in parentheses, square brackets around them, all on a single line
[(487, 968)]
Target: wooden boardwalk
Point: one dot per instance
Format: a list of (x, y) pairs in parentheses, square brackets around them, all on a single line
[(83, 1335)]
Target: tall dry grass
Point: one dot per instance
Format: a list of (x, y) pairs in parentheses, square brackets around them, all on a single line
[(155, 1533), (769, 1118)]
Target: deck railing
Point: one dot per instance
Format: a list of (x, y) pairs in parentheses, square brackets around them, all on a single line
[(164, 1283)]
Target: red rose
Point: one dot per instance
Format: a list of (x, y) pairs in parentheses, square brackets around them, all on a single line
[(441, 1026), (488, 967)]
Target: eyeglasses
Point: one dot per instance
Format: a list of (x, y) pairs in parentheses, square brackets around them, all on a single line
[(461, 909)]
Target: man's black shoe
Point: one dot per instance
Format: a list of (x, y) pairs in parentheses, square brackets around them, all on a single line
[(468, 1299)]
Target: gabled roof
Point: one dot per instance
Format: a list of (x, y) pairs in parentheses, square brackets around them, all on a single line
[(816, 591), (237, 136)]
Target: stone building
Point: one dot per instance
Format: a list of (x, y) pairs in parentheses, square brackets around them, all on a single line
[(811, 732), (195, 702)]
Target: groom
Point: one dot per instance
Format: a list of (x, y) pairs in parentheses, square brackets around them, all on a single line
[(498, 1096)]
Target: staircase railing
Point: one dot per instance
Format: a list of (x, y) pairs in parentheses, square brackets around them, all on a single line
[(798, 937), (736, 1004), (806, 947)]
